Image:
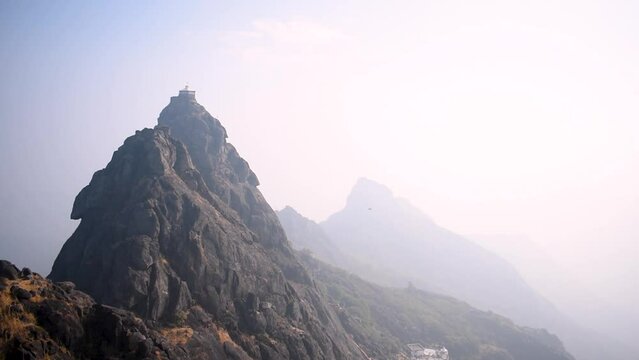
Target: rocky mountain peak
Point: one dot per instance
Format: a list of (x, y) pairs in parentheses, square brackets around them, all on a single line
[(206, 137), (367, 194), (175, 230), (290, 211), (225, 173)]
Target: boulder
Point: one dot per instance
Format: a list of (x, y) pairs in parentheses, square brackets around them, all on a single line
[(20, 293), (8, 270)]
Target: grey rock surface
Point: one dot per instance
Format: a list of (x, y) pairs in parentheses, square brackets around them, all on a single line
[(175, 222), (8, 270)]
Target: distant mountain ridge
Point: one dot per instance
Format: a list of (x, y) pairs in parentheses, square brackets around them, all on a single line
[(375, 227), (306, 235), (388, 241)]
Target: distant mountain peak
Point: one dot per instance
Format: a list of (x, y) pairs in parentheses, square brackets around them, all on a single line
[(368, 193), (290, 210)]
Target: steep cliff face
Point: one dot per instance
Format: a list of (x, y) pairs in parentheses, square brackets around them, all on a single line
[(224, 171), (174, 225)]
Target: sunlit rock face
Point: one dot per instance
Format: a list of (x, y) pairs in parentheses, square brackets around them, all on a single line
[(175, 230)]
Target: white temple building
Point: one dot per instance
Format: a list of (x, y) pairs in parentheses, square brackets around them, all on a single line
[(419, 352)]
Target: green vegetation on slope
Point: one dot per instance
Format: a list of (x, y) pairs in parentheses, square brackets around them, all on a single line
[(382, 320)]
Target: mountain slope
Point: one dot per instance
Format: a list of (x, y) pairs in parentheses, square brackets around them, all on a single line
[(304, 234), (377, 228), (385, 232), (583, 307), (307, 236), (382, 319)]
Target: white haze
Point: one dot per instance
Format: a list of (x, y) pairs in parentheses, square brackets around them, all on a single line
[(494, 117)]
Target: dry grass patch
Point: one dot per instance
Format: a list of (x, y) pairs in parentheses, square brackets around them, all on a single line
[(13, 324), (18, 322), (178, 335), (5, 300), (223, 335), (34, 285), (30, 284)]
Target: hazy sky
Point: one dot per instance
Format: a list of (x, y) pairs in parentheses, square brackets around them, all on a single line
[(494, 117)]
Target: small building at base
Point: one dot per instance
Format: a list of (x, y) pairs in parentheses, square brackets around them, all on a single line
[(419, 352)]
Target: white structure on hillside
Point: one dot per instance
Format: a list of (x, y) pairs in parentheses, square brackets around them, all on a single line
[(419, 352)]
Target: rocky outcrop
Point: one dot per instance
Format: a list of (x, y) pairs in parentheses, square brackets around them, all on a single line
[(224, 171), (44, 320), (174, 227)]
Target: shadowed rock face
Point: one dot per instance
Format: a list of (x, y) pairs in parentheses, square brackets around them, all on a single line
[(224, 171), (175, 222), (44, 320)]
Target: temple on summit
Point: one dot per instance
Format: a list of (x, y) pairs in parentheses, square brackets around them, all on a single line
[(184, 94)]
